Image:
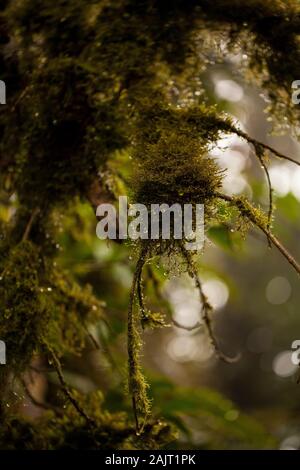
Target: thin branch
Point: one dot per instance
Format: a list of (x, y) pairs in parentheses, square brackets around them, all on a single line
[(265, 230), (160, 297), (186, 328), (91, 337), (105, 349), (30, 223), (259, 147), (282, 249), (65, 388), (141, 298), (20, 97), (259, 152), (131, 333), (256, 143), (45, 406), (206, 308), (264, 166)]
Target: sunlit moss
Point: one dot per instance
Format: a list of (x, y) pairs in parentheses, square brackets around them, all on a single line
[(171, 155)]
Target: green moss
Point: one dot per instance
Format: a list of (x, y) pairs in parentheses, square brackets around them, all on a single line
[(23, 310), (137, 383), (72, 307), (154, 320), (52, 432), (40, 304), (67, 135), (170, 152), (252, 213), (88, 81)]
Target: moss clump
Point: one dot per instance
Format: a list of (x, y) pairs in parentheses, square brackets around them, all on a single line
[(73, 308), (251, 213), (67, 135), (40, 304), (111, 431), (153, 320), (24, 313), (170, 152)]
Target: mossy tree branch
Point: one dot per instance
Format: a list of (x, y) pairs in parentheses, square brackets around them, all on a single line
[(250, 213)]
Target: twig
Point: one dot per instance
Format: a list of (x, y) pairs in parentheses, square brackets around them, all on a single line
[(45, 406), (131, 334), (282, 249), (105, 349), (141, 297), (187, 328), (91, 337), (30, 223), (265, 230), (65, 388), (206, 308), (264, 166), (256, 143), (20, 97)]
